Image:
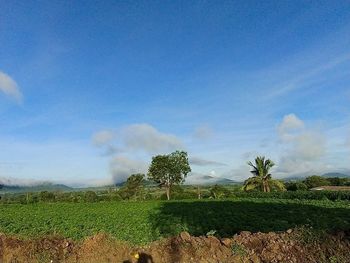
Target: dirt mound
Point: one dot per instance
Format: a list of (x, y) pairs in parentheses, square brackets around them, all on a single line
[(294, 246)]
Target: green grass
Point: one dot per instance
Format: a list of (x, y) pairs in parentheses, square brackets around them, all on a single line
[(142, 222)]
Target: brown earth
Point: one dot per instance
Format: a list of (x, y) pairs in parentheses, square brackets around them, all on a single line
[(293, 246)]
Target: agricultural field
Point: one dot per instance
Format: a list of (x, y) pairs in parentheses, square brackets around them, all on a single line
[(143, 222)]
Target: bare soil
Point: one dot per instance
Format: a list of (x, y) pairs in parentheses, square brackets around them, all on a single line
[(293, 246)]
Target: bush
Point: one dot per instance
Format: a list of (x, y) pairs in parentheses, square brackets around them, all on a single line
[(46, 196), (91, 196), (296, 186), (302, 195)]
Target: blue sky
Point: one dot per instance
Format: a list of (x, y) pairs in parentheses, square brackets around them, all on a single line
[(89, 91)]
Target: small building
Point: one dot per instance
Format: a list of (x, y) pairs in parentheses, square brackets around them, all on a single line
[(331, 188)]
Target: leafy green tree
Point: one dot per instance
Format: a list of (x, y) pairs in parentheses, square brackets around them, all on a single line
[(336, 181), (90, 196), (46, 196), (218, 191), (262, 178), (316, 181), (296, 186), (133, 186), (170, 169)]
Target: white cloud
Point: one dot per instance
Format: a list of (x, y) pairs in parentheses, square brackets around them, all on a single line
[(308, 75), (290, 124), (310, 145), (103, 137), (302, 148), (145, 137), (10, 87), (137, 137), (202, 162), (141, 140), (122, 167)]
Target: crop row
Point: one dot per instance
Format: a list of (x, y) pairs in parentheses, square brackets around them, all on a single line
[(142, 222)]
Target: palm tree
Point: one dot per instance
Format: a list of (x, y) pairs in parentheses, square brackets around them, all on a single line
[(262, 178)]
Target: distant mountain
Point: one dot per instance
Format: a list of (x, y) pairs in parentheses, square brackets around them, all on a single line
[(293, 178), (35, 188), (326, 175), (208, 180), (145, 183), (340, 175)]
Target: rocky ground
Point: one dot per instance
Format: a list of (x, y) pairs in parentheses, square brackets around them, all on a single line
[(294, 246)]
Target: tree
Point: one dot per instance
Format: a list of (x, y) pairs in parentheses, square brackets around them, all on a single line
[(316, 181), (262, 178), (133, 186), (90, 196), (218, 191), (336, 181), (46, 196), (296, 186), (170, 169)]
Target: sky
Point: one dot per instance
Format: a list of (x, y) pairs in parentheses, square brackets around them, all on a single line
[(91, 90)]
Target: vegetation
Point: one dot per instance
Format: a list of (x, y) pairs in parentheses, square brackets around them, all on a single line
[(262, 178), (133, 188), (298, 195), (218, 191), (296, 186), (316, 181), (141, 222), (170, 169)]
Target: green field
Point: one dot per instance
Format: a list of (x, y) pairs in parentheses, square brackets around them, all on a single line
[(142, 222)]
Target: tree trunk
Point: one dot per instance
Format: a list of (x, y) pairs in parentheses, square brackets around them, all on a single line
[(267, 187), (167, 189)]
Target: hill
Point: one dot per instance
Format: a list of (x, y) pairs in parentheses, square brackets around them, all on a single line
[(340, 175), (35, 188), (326, 175), (208, 180)]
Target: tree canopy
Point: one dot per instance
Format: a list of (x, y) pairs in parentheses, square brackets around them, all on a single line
[(167, 170), (315, 181), (262, 179)]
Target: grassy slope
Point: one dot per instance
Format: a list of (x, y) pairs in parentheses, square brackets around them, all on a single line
[(141, 222)]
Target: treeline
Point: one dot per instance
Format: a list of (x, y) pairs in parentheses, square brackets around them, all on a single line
[(316, 181), (178, 193)]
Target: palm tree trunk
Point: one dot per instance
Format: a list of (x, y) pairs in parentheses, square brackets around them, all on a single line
[(264, 186), (267, 187), (167, 189)]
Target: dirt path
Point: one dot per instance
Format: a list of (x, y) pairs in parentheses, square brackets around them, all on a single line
[(292, 246)]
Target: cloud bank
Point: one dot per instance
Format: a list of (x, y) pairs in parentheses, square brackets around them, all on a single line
[(302, 148), (203, 162), (136, 137), (140, 140)]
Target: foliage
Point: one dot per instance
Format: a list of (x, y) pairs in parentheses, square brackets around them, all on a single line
[(91, 196), (179, 193), (262, 178), (296, 186), (218, 191), (316, 181), (238, 249), (133, 187), (142, 222), (46, 196), (167, 170), (336, 181), (299, 195)]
